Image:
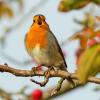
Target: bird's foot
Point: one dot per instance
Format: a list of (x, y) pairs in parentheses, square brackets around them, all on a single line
[(37, 68), (71, 81), (47, 73)]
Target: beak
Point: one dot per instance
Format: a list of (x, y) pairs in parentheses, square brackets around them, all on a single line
[(39, 21)]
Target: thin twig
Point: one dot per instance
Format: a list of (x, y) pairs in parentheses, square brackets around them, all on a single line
[(66, 87), (60, 73), (41, 83)]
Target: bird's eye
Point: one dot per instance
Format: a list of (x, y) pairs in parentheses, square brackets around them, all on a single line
[(34, 21), (44, 20)]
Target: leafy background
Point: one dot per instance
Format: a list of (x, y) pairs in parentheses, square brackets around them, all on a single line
[(61, 24)]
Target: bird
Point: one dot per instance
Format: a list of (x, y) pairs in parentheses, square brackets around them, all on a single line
[(42, 45)]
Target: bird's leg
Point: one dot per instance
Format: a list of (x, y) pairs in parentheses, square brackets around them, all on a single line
[(48, 71), (46, 77), (37, 68)]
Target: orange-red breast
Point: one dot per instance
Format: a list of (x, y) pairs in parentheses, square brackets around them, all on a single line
[(43, 46)]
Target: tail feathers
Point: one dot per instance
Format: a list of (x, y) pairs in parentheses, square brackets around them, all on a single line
[(63, 67)]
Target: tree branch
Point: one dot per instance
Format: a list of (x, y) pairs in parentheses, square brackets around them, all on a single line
[(30, 73), (66, 87)]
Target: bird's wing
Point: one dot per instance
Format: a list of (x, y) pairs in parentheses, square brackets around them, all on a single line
[(56, 44)]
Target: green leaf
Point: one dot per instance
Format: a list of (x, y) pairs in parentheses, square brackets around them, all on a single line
[(89, 63), (68, 5)]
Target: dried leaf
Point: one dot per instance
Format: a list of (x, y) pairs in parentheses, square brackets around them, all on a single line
[(98, 17), (88, 21), (68, 5), (96, 2), (83, 36), (6, 10)]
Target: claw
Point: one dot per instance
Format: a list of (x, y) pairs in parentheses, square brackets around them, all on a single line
[(70, 80), (48, 71), (37, 68)]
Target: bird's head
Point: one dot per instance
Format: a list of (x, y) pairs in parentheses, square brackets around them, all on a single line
[(40, 21)]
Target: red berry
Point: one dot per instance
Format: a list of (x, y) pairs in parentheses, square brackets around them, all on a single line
[(37, 94)]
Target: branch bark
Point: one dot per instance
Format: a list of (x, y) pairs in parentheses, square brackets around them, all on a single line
[(47, 94), (30, 73)]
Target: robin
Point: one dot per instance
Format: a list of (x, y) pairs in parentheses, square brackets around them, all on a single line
[(42, 45)]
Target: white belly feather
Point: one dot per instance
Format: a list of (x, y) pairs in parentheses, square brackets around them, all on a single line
[(40, 55)]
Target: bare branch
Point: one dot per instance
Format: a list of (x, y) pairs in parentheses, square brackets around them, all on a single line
[(30, 73), (66, 87), (52, 73), (43, 83)]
